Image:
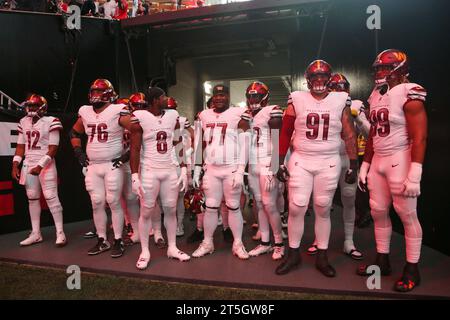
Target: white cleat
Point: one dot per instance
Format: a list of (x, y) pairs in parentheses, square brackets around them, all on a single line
[(240, 252), (33, 238), (259, 250), (175, 253), (143, 261), (180, 231), (278, 252), (203, 249), (61, 239), (257, 236)]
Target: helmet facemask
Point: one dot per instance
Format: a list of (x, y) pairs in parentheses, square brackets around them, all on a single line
[(318, 82), (255, 100)]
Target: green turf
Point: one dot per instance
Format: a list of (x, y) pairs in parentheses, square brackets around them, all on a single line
[(30, 282)]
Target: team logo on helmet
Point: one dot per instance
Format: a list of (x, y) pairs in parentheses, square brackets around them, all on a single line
[(390, 64), (318, 75), (137, 101), (101, 91), (338, 82), (35, 105), (172, 103), (257, 95)]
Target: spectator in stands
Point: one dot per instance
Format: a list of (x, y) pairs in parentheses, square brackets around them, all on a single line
[(140, 9), (109, 8), (62, 6), (146, 5), (89, 8), (122, 10)]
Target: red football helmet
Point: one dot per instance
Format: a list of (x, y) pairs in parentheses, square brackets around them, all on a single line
[(257, 95), (339, 82), (318, 75), (35, 105), (122, 101), (390, 64), (137, 101), (172, 103), (101, 91), (194, 200)]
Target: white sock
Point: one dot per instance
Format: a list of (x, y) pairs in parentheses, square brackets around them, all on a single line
[(34, 207), (170, 222)]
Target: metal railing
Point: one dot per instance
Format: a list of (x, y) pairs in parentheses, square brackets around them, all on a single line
[(10, 102)]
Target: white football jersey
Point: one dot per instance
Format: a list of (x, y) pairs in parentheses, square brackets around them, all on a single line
[(318, 123), (356, 109), (105, 135), (261, 147), (220, 133), (157, 139), (387, 118), (36, 136), (185, 138)]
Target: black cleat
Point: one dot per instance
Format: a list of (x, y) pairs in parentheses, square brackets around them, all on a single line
[(227, 235), (290, 262), (118, 248), (101, 246), (128, 229), (322, 264), (197, 236), (410, 278), (382, 261)]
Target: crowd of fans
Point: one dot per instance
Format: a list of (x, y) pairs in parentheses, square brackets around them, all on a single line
[(110, 9)]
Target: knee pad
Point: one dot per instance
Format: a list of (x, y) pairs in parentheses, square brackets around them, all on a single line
[(212, 203), (53, 203), (405, 211), (300, 200), (97, 200), (377, 207), (269, 206), (233, 204), (50, 194), (323, 201), (33, 194), (146, 211), (233, 208), (349, 191)]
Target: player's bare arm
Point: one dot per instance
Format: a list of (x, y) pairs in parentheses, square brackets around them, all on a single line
[(75, 139), (135, 146), (416, 121), (18, 156)]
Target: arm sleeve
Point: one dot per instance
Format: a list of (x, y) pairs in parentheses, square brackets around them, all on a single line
[(55, 125), (53, 137), (276, 113), (416, 93), (21, 138), (287, 129)]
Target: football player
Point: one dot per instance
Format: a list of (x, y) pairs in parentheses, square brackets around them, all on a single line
[(319, 118), (103, 122), (225, 140), (156, 130), (186, 140), (392, 166), (38, 142), (339, 83), (135, 102), (265, 122)]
